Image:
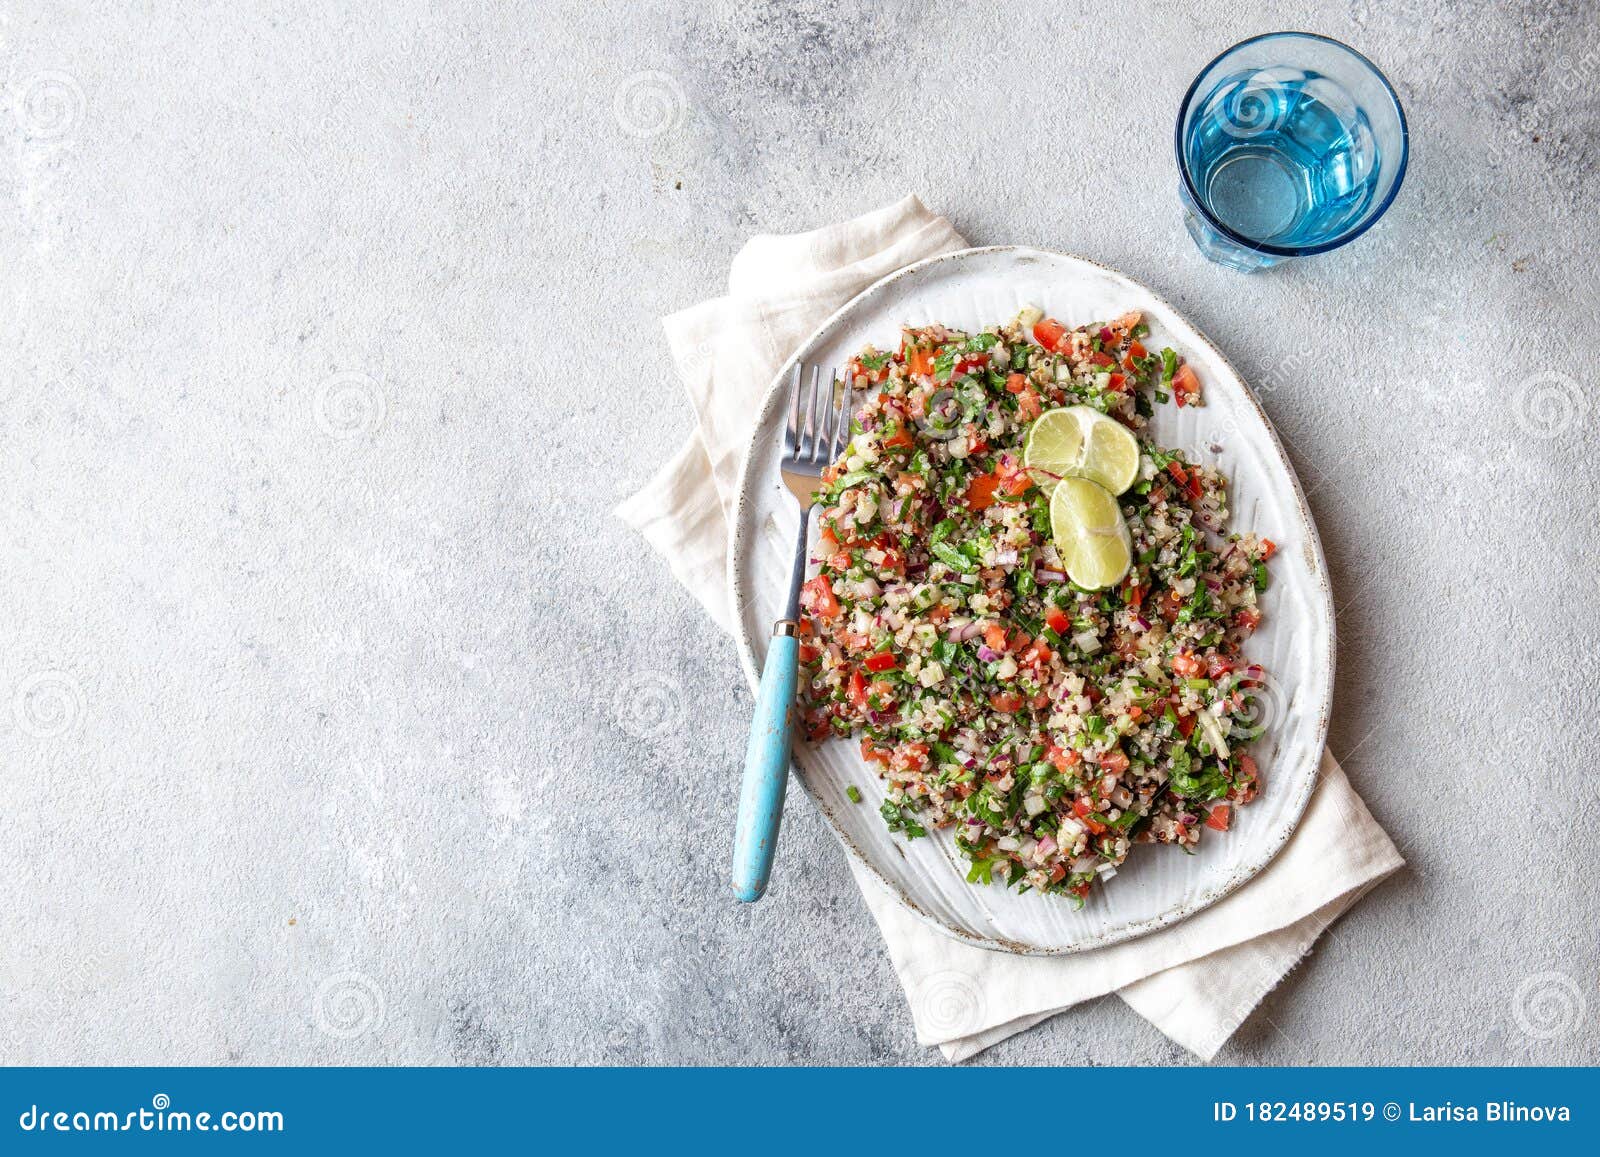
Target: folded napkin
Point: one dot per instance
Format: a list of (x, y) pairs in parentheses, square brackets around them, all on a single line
[(1198, 979)]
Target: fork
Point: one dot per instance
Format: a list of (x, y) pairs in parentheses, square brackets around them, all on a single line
[(816, 432)]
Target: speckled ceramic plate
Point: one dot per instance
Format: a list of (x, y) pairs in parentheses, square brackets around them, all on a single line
[(1157, 885)]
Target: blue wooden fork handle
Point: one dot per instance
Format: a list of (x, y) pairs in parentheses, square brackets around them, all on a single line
[(766, 766), (767, 756)]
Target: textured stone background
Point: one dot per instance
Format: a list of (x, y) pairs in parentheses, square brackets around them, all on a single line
[(330, 343)]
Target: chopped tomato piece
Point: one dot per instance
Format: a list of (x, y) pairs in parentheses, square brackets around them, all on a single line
[(901, 439), (1058, 873), (1268, 549), (919, 360), (1247, 765), (1081, 808), (1186, 665), (882, 661), (1128, 322), (1028, 405), (1101, 358), (980, 491), (1049, 333), (1249, 618), (1188, 480), (1015, 383), (1219, 817), (1014, 484), (937, 613), (1005, 702), (818, 597), (1186, 725), (1185, 387), (873, 753), (1136, 350), (1114, 761), (1169, 605), (1064, 758), (1116, 381), (1217, 667), (857, 370), (857, 690), (909, 757), (967, 365), (995, 635), (1057, 620), (809, 653)]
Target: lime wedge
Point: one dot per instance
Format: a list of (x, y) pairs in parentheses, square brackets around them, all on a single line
[(1081, 442), (1090, 535)]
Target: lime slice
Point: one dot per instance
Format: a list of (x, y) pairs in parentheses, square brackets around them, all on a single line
[(1090, 535), (1081, 442)]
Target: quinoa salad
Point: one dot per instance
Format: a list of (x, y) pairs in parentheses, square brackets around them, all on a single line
[(1051, 725)]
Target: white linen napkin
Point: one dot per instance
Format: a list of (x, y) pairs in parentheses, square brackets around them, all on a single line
[(1197, 980)]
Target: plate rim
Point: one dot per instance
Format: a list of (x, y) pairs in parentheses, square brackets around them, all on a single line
[(738, 546)]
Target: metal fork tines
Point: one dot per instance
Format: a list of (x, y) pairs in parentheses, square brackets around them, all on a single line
[(817, 431)]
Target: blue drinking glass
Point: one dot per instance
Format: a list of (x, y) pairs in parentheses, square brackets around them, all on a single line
[(1289, 144)]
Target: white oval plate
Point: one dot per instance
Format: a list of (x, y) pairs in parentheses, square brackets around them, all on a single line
[(1157, 885)]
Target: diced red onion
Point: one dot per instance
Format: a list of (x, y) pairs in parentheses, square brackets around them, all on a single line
[(1187, 818), (1144, 623), (1047, 844), (971, 631), (988, 654), (1049, 576), (1006, 557)]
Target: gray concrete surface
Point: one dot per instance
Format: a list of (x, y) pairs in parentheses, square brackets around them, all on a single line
[(340, 723)]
